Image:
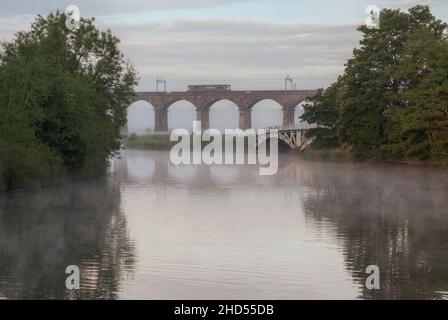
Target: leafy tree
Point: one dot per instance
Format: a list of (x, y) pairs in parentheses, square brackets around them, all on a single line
[(321, 109), (372, 81), (418, 127), (63, 97), (391, 102)]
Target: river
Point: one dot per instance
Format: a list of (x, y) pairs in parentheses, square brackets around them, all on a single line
[(151, 230)]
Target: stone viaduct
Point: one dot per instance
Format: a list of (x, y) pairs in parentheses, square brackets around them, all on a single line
[(204, 100)]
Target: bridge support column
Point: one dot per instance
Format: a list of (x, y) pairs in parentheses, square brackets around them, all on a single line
[(161, 120), (204, 117), (288, 117), (160, 170), (292, 113), (245, 119)]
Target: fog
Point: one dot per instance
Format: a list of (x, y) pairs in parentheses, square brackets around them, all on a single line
[(209, 229)]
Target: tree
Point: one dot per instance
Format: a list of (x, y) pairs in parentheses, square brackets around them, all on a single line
[(321, 109), (63, 98), (418, 128), (373, 83)]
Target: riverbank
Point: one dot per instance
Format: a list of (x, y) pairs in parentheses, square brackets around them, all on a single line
[(344, 155), (56, 182), (161, 142), (149, 142), (335, 154)]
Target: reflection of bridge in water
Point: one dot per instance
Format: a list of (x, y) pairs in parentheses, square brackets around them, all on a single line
[(204, 100), (157, 169), (374, 214)]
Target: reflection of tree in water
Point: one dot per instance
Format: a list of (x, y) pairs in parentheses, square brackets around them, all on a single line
[(43, 232), (396, 218)]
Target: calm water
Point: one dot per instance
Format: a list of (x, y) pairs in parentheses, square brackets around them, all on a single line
[(155, 231)]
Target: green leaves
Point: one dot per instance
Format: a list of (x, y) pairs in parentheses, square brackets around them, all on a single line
[(391, 103), (321, 110), (63, 100)]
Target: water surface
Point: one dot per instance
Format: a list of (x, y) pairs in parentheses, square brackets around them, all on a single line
[(156, 231)]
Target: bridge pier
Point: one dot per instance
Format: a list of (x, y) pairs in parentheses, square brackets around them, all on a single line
[(288, 117), (160, 170), (161, 120), (204, 117), (204, 99), (245, 119)]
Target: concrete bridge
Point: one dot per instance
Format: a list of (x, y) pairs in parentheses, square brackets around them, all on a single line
[(204, 100)]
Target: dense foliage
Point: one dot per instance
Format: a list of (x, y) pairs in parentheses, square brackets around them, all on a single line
[(63, 97), (392, 101), (321, 110)]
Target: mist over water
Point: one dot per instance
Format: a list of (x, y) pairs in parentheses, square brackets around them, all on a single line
[(157, 231)]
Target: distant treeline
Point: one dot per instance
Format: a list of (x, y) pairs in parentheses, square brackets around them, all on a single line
[(392, 101), (63, 98)]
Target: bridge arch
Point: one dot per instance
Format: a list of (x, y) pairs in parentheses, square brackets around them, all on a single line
[(266, 113), (223, 114), (183, 174), (271, 99), (175, 102), (180, 114), (298, 112), (140, 118), (295, 138), (247, 101), (293, 111)]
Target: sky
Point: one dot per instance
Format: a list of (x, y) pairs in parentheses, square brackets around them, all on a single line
[(250, 44), (246, 43)]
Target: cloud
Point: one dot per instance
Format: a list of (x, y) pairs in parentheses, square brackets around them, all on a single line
[(104, 7), (12, 24), (251, 53), (248, 54)]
